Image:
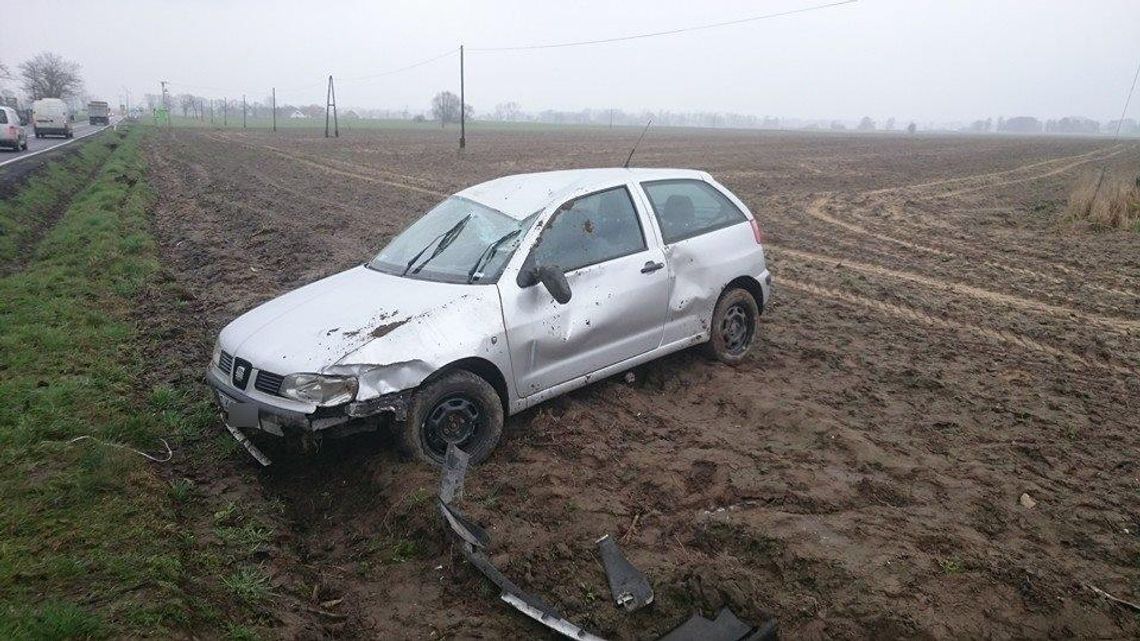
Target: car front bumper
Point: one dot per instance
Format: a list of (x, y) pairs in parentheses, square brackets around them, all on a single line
[(243, 411)]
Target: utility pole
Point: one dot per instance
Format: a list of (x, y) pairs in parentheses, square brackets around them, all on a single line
[(225, 112), (165, 102), (243, 111), (330, 104), (275, 109), (462, 105)]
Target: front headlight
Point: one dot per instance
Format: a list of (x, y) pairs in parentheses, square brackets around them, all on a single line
[(319, 389)]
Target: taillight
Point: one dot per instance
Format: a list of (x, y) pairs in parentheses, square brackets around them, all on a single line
[(756, 232), (12, 130)]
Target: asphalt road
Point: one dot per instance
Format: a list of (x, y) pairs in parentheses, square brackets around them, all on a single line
[(38, 145), (17, 167)]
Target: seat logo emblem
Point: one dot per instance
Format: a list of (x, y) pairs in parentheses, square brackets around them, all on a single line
[(242, 370)]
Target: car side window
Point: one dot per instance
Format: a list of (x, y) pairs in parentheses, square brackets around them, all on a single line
[(687, 208), (3, 116), (591, 229)]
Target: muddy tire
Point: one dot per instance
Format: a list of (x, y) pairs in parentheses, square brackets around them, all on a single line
[(458, 407), (733, 328)]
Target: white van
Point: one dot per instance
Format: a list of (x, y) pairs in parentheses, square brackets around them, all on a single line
[(51, 117)]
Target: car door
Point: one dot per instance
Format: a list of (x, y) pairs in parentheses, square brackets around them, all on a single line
[(708, 241), (619, 293)]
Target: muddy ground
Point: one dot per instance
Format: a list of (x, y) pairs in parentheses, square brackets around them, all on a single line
[(936, 347)]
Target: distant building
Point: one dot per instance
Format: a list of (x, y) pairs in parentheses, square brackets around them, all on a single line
[(295, 113)]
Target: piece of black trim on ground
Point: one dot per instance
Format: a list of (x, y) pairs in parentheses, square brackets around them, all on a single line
[(472, 539), (628, 585)]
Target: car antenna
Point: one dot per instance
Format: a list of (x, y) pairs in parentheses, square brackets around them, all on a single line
[(626, 165)]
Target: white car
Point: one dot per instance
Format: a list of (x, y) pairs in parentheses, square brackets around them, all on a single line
[(12, 133), (504, 295)]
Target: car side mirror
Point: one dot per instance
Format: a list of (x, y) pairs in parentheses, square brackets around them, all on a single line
[(552, 279)]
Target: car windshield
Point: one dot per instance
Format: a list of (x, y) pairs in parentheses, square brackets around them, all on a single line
[(458, 241)]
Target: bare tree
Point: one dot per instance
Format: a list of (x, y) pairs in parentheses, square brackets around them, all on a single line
[(445, 108), (4, 73), (507, 111), (186, 103), (49, 75)]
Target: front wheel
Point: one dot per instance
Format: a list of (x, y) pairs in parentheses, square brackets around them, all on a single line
[(733, 328), (458, 407)]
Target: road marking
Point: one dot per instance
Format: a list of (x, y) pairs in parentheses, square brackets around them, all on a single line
[(29, 154)]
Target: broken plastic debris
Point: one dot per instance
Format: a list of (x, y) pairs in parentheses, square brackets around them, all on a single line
[(454, 471), (725, 627), (474, 539), (629, 587)]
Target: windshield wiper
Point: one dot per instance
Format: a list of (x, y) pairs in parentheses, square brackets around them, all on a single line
[(444, 239), (489, 253)]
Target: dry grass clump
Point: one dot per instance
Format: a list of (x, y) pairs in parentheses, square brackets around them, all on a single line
[(1114, 205)]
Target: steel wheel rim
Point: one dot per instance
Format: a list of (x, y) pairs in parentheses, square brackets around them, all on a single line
[(736, 329), (454, 419)]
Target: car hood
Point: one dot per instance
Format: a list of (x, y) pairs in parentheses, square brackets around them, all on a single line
[(359, 311)]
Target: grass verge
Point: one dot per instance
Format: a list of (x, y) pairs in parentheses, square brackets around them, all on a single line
[(93, 539), (23, 216)]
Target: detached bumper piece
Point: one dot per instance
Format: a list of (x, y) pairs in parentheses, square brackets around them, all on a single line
[(630, 587), (253, 450), (725, 627)]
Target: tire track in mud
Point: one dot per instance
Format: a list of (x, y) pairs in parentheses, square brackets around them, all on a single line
[(334, 170), (296, 193), (816, 209), (1125, 326), (1079, 159), (911, 314), (1005, 183)]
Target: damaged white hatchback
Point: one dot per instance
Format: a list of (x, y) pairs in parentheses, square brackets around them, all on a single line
[(504, 295)]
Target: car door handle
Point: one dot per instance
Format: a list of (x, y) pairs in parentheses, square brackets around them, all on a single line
[(651, 267)]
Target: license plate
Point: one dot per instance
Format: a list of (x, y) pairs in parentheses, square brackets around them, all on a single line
[(240, 414)]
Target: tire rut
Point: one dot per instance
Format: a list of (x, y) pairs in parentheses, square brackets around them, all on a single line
[(911, 314), (1125, 326)]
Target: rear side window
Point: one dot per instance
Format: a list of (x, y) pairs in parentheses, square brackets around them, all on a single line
[(3, 116), (687, 208), (590, 230)]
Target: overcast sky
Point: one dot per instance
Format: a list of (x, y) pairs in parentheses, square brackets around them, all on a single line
[(929, 60)]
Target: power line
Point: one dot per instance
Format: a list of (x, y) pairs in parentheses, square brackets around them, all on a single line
[(1127, 100), (669, 32), (449, 52), (445, 54)]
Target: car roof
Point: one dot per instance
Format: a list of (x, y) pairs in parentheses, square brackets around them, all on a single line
[(521, 195)]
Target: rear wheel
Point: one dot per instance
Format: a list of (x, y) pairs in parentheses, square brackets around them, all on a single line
[(733, 328), (458, 407)]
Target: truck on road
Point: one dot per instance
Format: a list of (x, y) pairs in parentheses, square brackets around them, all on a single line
[(98, 112)]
